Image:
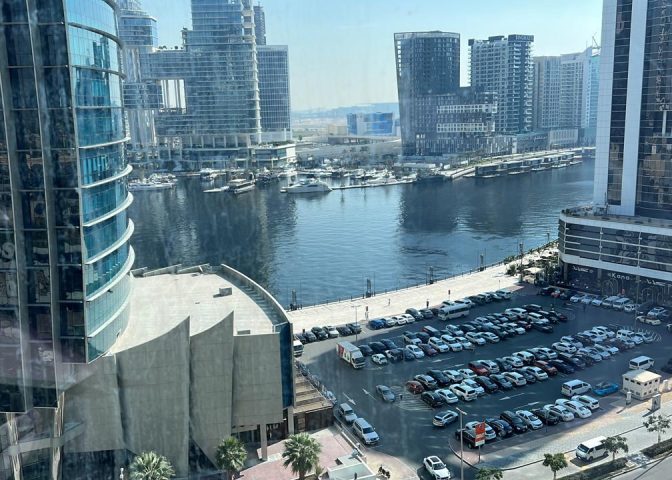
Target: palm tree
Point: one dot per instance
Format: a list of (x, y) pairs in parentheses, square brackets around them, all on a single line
[(151, 466), (615, 444), (555, 462), (301, 454), (487, 473), (230, 456)]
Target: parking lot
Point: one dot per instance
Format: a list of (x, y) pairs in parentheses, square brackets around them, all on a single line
[(405, 426)]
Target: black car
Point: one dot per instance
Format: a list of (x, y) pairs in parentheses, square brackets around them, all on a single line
[(543, 326), (501, 427), (546, 291), (532, 307), (503, 365), (301, 338), (576, 362), (343, 331), (438, 375), (354, 327), (468, 436), (395, 354), (435, 311), (432, 399), (427, 313), (501, 381), (567, 294), (621, 345), (467, 327), (514, 420), (586, 358), (546, 416), (529, 377), (547, 316), (310, 337), (415, 313), (561, 317), (423, 336), (389, 343), (488, 385), (586, 341), (408, 355), (428, 350), (378, 347), (562, 367), (320, 333), (366, 350)]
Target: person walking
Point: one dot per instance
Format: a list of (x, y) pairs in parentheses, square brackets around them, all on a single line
[(388, 301)]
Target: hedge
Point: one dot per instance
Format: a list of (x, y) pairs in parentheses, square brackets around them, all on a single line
[(598, 471), (658, 448)]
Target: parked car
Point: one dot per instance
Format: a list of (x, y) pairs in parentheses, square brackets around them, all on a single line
[(501, 427), (468, 437), (436, 468), (605, 388), (439, 377), (546, 367), (542, 326), (414, 387), (320, 333), (564, 347), (464, 392), (455, 376), (395, 354), (489, 432), (343, 330), (587, 401), (475, 338), (452, 343), (447, 395), (410, 338), (467, 373), (379, 359), (562, 367), (377, 347), (531, 420), (331, 331), (488, 385), (389, 343), (514, 420), (439, 345), (537, 372), (366, 350), (427, 314), (479, 368), (376, 324), (515, 378), (354, 327), (480, 391), (310, 336), (417, 352), (428, 350), (432, 399), (415, 313), (385, 393), (562, 412), (501, 381), (576, 408), (546, 416), (427, 382), (490, 337)]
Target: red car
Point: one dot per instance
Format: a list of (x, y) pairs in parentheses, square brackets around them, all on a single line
[(546, 367), (478, 368), (428, 350), (414, 387)]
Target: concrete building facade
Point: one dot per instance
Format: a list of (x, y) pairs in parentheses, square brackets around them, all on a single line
[(503, 65), (623, 242), (546, 93), (274, 93), (371, 124)]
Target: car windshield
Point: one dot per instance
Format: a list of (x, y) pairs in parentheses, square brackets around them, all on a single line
[(438, 466), (367, 430)]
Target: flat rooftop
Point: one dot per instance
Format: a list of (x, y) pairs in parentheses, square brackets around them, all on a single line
[(601, 213), (641, 375), (160, 301)]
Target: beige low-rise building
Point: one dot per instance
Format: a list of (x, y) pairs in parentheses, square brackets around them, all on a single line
[(642, 383)]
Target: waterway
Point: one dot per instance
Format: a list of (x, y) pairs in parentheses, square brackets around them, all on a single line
[(326, 246)]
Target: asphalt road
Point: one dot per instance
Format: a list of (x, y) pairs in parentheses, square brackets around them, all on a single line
[(405, 426)]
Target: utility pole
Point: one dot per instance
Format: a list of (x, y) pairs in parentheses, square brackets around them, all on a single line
[(461, 444)]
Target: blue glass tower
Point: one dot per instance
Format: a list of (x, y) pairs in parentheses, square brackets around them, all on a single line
[(64, 272)]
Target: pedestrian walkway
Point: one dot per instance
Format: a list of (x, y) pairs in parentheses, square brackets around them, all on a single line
[(398, 301)]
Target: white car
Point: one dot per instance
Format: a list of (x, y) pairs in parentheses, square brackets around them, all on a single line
[(463, 392), (415, 351), (331, 331), (409, 318), (530, 419), (465, 301), (637, 339), (490, 365), (515, 378), (471, 383), (490, 337), (564, 347), (561, 411), (604, 331), (588, 299), (587, 401), (516, 328), (452, 343), (466, 344), (576, 408), (517, 312), (550, 353), (446, 395), (439, 345), (571, 340), (538, 373), (453, 375), (379, 359), (650, 321), (577, 298), (515, 361), (505, 294), (594, 336), (399, 320), (490, 433), (597, 301), (592, 353), (630, 308), (467, 373), (436, 468), (475, 338), (611, 350)]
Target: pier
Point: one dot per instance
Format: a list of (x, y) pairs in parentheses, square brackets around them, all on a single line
[(370, 185)]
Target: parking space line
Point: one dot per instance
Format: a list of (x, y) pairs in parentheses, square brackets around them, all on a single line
[(349, 399)]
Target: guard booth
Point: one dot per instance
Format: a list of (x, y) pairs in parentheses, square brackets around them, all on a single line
[(642, 383)]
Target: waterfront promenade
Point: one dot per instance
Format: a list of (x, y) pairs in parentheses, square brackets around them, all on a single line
[(397, 301)]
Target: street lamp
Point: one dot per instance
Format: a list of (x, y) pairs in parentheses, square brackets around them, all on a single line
[(461, 444)]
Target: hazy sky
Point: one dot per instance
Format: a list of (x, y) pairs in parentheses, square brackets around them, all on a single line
[(341, 52)]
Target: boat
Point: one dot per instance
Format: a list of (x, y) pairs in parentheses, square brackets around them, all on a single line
[(225, 188), (576, 161), (307, 186), (424, 177), (148, 184), (381, 180), (287, 173), (240, 185)]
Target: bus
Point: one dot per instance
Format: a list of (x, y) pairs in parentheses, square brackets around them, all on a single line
[(449, 312)]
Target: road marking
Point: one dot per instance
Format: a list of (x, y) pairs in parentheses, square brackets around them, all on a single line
[(438, 360), (458, 365), (366, 393), (512, 396), (349, 399)]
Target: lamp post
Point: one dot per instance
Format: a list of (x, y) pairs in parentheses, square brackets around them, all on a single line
[(461, 444)]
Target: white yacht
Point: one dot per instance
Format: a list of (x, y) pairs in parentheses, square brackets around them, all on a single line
[(154, 182), (304, 186), (288, 173), (240, 185)]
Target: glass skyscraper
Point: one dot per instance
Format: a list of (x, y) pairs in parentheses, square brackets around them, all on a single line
[(623, 243), (65, 261)]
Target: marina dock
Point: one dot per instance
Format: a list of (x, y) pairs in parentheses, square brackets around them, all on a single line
[(368, 185)]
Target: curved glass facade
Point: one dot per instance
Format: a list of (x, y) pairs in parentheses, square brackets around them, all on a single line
[(96, 84)]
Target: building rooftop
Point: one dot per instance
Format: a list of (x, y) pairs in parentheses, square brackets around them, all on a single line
[(599, 212), (161, 299), (642, 376)]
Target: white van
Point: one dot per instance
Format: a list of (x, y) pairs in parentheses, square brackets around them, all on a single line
[(625, 334), (591, 449), (641, 363), (574, 387)]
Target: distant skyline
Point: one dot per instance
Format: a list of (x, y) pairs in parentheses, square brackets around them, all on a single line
[(341, 52)]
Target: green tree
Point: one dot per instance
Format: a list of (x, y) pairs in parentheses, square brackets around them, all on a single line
[(151, 466), (555, 461), (657, 423), (230, 456), (301, 454), (487, 473), (615, 444)]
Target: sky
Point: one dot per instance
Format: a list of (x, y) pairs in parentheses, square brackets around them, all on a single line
[(341, 52)]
